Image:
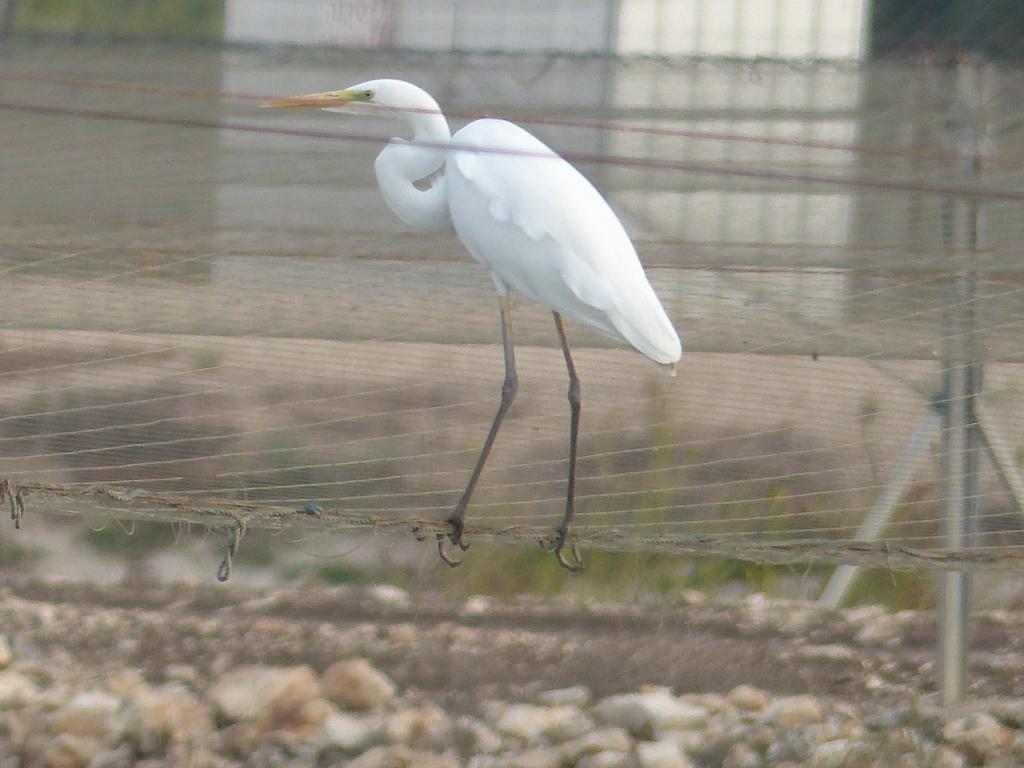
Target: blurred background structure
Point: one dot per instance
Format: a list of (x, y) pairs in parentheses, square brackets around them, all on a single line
[(206, 304)]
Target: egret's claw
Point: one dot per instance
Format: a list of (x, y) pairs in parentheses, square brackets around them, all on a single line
[(455, 536), (449, 560), (560, 545)]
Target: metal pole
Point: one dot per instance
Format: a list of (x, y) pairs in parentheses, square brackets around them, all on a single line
[(954, 586), (871, 529), (962, 370), (1000, 454)]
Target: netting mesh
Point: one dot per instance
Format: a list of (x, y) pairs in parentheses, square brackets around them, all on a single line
[(210, 315)]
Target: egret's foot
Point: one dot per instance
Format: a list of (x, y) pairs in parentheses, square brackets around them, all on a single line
[(226, 565), (574, 567), (455, 536)]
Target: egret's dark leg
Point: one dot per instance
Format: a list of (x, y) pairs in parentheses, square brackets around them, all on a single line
[(574, 429), (508, 394)]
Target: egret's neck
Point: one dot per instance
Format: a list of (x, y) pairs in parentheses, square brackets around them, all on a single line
[(402, 164)]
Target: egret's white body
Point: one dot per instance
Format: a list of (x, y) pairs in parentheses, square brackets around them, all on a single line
[(544, 230), (529, 217)]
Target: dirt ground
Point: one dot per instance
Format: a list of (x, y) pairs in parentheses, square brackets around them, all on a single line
[(462, 654)]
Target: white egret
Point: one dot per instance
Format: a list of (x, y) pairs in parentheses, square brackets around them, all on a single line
[(529, 217)]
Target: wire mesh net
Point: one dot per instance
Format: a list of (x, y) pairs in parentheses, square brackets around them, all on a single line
[(210, 315)]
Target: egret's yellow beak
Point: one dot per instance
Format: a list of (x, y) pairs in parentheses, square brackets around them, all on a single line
[(324, 100)]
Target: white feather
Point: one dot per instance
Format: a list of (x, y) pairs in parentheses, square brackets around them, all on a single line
[(544, 230)]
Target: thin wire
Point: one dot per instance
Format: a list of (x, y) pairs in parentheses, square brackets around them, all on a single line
[(981, 193), (945, 158)]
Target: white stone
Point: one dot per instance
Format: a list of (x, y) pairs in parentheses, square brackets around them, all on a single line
[(748, 698), (262, 693), (598, 740), (389, 595), (660, 754), (356, 685), (577, 696), (532, 723), (155, 718), (69, 750), (945, 757), (607, 759), (399, 756), (352, 734), (884, 630), (426, 727), (688, 740), (831, 652), (980, 735), (5, 652), (94, 714), (741, 755), (474, 737), (794, 711), (16, 690), (476, 605), (649, 711), (541, 757), (831, 754)]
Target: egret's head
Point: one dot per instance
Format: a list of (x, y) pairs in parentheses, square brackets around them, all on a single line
[(387, 94)]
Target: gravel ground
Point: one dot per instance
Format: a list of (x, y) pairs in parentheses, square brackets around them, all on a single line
[(374, 677)]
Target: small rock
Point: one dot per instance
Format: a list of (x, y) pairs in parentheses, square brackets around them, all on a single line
[(182, 673), (403, 634), (351, 734), (607, 759), (831, 652), (241, 739), (543, 757), (389, 595), (644, 713), (400, 756), (944, 757), (688, 741), (598, 740), (265, 694), (156, 718), (576, 696), (306, 720), (980, 736), (883, 630), (122, 757), (476, 605), (660, 754), (532, 723), (693, 597), (69, 750), (831, 754), (426, 727), (741, 755), (5, 652), (795, 711), (16, 690), (356, 685), (93, 714), (474, 737), (748, 698)]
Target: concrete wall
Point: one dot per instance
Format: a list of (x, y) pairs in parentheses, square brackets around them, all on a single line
[(744, 28)]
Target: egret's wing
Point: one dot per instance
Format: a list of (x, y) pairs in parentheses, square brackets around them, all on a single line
[(526, 185)]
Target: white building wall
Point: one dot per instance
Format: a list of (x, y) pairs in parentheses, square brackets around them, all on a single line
[(573, 26), (832, 29)]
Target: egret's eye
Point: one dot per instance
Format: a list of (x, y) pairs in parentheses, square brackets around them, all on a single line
[(368, 94)]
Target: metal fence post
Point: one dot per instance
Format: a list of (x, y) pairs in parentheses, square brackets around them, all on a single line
[(962, 371)]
